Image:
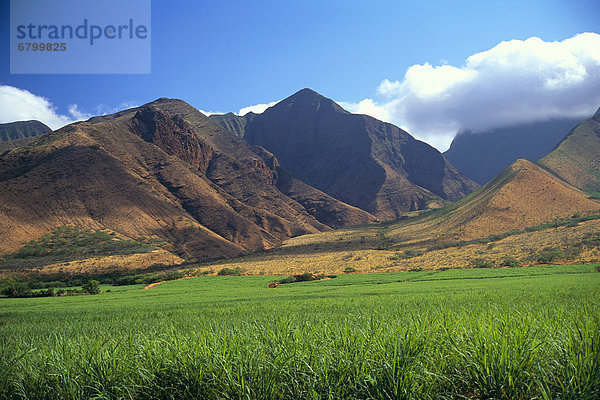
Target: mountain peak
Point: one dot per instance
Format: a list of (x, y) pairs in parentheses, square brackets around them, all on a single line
[(309, 101), (364, 162), (308, 92), (522, 195), (521, 164)]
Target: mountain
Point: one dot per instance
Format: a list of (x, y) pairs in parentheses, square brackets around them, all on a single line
[(162, 170), (235, 124), (357, 159), (522, 195), (483, 155), (576, 159), (16, 134), (22, 129)]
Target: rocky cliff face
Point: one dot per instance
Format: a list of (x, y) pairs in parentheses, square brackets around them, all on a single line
[(173, 135)]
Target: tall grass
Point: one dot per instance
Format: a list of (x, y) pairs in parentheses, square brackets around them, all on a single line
[(356, 336)]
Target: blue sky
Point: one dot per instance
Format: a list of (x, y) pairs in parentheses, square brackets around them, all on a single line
[(224, 55)]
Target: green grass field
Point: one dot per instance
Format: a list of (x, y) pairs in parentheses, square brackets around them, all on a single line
[(519, 333)]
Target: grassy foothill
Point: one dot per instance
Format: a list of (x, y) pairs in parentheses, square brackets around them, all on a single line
[(509, 333), (70, 243)]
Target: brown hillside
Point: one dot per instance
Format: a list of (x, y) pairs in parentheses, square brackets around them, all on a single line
[(522, 195), (161, 170)]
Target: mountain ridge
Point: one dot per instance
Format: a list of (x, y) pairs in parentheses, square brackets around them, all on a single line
[(576, 159), (22, 129)]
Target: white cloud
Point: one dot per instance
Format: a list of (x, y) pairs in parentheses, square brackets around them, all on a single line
[(368, 107), (388, 88), (257, 109), (19, 105), (209, 113), (517, 81), (78, 114)]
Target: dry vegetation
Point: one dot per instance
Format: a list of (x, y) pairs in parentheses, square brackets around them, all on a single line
[(110, 264), (334, 252)]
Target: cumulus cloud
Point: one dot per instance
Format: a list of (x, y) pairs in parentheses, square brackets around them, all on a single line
[(368, 107), (517, 81), (19, 105), (257, 108)]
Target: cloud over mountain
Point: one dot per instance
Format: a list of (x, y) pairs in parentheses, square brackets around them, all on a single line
[(257, 108), (517, 81), (19, 105)]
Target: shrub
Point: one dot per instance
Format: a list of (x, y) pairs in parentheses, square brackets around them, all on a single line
[(412, 253), (91, 287), (173, 275), (349, 270), (307, 276), (494, 238), (289, 279), (416, 269), (482, 263), (148, 279), (231, 272), (510, 262), (550, 254), (17, 290), (406, 254), (45, 293), (126, 280)]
